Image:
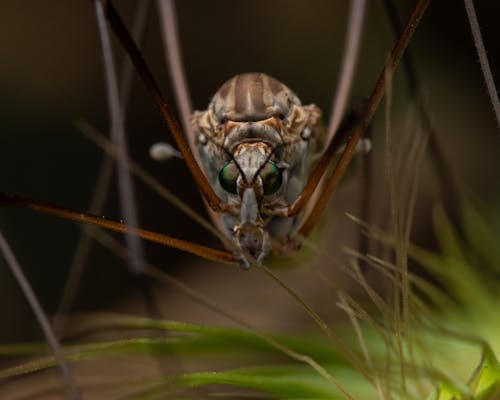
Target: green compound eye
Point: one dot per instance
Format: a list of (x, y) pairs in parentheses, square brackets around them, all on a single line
[(228, 176), (272, 178)]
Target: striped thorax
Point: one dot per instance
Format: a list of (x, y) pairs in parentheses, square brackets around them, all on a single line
[(256, 141)]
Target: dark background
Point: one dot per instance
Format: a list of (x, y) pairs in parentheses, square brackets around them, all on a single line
[(51, 75)]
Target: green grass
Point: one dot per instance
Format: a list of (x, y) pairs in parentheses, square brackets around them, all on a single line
[(446, 349)]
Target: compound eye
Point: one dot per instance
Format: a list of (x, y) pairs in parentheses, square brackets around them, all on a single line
[(272, 178), (228, 176)]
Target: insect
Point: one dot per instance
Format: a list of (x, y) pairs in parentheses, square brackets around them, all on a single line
[(252, 177), (256, 142), (78, 177)]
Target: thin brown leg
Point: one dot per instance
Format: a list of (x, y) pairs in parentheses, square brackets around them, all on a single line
[(372, 105), (447, 183), (325, 160), (9, 199), (128, 43)]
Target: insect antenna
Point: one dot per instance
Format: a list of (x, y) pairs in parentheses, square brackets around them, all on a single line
[(229, 155), (274, 150)]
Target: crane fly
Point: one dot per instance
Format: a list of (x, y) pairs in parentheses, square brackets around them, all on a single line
[(258, 156), (263, 161)]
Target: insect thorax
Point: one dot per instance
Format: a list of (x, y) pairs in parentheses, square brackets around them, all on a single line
[(256, 133)]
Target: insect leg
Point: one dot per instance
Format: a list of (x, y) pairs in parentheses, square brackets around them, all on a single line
[(173, 55), (447, 182), (103, 182), (117, 129), (9, 199), (360, 128), (213, 200)]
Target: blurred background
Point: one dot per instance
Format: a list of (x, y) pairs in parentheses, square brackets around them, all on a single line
[(51, 75)]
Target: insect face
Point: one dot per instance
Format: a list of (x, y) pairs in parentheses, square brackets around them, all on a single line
[(255, 142)]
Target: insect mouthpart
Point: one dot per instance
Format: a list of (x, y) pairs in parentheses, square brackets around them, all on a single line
[(253, 177), (250, 236)]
